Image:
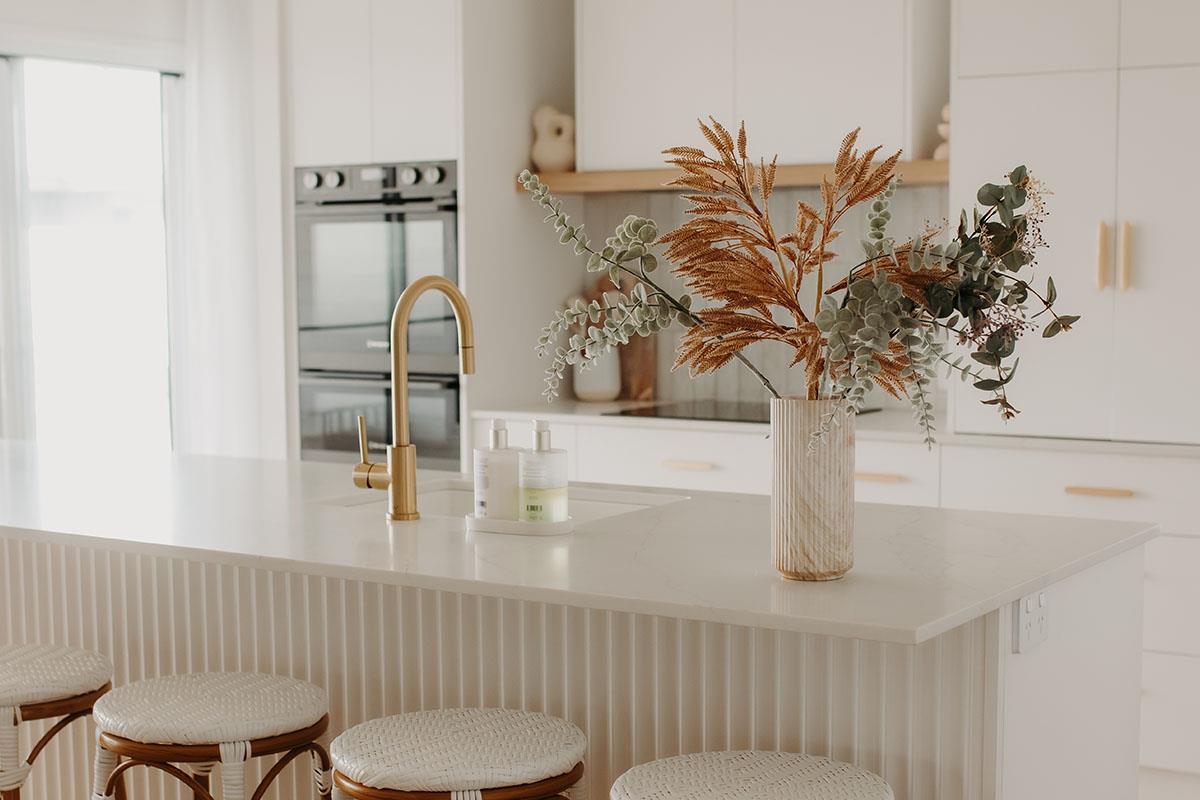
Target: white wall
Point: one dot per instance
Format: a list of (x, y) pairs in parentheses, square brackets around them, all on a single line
[(147, 33), (516, 55)]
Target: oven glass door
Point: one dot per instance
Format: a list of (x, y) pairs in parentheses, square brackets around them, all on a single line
[(352, 263), (330, 406)]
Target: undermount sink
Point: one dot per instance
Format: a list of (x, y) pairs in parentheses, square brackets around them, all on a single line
[(455, 497)]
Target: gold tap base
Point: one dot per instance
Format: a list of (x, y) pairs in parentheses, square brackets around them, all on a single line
[(403, 517)]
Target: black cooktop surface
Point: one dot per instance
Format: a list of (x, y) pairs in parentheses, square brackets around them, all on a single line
[(722, 410), (709, 410)]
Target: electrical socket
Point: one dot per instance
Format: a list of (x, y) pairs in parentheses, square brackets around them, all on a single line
[(1031, 622)]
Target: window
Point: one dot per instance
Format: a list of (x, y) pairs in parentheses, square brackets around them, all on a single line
[(89, 216)]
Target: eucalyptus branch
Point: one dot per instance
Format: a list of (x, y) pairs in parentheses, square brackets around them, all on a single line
[(617, 266)]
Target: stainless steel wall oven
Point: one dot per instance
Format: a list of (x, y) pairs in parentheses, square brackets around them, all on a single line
[(363, 233)]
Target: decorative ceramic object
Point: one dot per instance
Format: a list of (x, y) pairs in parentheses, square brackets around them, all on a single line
[(812, 491), (942, 151), (599, 382), (553, 140)]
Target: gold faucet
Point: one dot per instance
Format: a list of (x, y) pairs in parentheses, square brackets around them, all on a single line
[(399, 475)]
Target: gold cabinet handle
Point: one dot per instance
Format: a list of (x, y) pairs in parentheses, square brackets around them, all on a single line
[(689, 466), (879, 477), (1102, 256), (1125, 259), (1098, 491)]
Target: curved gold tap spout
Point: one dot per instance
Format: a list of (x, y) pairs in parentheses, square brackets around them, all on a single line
[(401, 477)]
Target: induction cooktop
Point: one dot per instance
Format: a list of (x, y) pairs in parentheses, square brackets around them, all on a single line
[(707, 410)]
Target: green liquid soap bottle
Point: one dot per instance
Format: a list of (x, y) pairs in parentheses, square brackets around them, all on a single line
[(543, 479)]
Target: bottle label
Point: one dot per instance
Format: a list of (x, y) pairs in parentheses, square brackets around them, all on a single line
[(543, 505)]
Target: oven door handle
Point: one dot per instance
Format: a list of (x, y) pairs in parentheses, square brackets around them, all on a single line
[(382, 382), (431, 383)]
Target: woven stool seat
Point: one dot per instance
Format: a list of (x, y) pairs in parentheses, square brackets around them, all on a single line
[(458, 750), (749, 775), (210, 708), (39, 673)]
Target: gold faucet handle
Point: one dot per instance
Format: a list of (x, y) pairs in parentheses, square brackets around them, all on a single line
[(366, 474), (364, 455)]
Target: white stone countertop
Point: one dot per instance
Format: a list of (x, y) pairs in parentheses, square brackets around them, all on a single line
[(703, 556)]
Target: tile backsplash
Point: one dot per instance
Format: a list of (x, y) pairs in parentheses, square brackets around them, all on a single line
[(911, 208)]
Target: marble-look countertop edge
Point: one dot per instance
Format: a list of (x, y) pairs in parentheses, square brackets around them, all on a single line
[(505, 591), (603, 602)]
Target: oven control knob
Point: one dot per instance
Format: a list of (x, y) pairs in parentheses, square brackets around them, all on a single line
[(409, 176), (434, 174), (334, 179), (311, 180)]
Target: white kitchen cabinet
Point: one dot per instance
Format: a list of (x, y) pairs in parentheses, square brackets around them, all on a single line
[(1074, 484), (676, 458), (1173, 596), (1156, 382), (414, 86), (1171, 712), (331, 81), (1028, 36), (645, 71), (900, 473), (1159, 32), (1065, 388), (893, 86), (374, 81)]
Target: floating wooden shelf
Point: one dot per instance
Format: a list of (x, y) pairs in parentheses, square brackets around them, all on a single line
[(915, 173)]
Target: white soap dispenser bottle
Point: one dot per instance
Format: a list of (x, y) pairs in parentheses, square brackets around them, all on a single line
[(543, 479), (496, 470)]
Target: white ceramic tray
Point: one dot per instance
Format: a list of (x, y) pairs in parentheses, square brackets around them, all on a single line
[(485, 525)]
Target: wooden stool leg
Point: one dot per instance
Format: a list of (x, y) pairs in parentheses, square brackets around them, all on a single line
[(11, 794), (203, 781)]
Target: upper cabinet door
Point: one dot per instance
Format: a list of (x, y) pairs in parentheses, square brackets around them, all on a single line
[(645, 71), (1160, 32), (331, 80), (1027, 36), (1063, 386), (1155, 358), (801, 87), (414, 80)]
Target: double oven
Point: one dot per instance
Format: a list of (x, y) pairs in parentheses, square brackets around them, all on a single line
[(363, 233)]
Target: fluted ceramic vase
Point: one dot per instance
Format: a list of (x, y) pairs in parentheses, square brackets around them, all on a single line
[(812, 492)]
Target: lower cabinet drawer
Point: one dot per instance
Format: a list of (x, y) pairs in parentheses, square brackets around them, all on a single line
[(1171, 712), (895, 472), (1128, 487), (1172, 605), (716, 461)]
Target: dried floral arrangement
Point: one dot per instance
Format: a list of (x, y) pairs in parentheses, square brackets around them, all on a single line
[(889, 323)]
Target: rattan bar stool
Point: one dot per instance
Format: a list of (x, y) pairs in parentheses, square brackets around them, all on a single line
[(186, 724), (41, 681), (749, 775), (460, 754)]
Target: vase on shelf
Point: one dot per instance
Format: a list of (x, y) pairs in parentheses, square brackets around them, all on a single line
[(812, 491)]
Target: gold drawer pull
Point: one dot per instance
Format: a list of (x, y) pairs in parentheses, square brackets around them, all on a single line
[(689, 466), (879, 477), (1102, 256), (1098, 491)]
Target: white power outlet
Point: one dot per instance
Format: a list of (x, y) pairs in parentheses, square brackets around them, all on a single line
[(1031, 622)]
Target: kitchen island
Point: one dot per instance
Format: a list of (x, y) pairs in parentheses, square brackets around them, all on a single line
[(658, 627)]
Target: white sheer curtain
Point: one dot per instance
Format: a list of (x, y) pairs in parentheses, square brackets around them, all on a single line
[(227, 281)]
